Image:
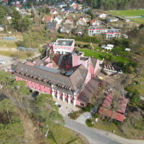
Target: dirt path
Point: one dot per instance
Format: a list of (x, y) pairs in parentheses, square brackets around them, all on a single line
[(8, 49)]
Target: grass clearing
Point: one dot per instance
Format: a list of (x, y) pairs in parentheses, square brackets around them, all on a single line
[(7, 44), (138, 86), (101, 55), (127, 12), (138, 20), (21, 55), (108, 127), (64, 135), (129, 132)]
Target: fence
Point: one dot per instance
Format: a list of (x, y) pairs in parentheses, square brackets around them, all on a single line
[(9, 38), (27, 49)]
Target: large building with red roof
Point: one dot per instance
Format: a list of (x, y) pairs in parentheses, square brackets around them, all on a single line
[(64, 73)]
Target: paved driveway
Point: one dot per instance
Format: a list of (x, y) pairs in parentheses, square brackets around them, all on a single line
[(83, 117), (96, 136)]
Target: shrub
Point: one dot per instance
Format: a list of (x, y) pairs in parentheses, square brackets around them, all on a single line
[(75, 115), (87, 108), (89, 122)]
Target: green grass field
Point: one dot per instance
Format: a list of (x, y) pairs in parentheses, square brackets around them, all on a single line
[(139, 20), (101, 55), (127, 12)]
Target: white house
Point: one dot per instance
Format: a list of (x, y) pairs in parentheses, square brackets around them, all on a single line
[(96, 30), (81, 21), (95, 22), (102, 15), (113, 33), (58, 19)]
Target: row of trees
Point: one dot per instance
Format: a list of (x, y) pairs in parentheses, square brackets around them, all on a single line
[(115, 4)]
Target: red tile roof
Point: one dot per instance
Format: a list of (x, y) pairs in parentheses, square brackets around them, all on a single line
[(122, 104), (108, 100), (69, 18), (92, 21), (113, 115), (48, 18)]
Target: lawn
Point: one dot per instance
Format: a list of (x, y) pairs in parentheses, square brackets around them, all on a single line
[(110, 127), (101, 55), (130, 131), (139, 20), (21, 55), (138, 85), (7, 44), (64, 135), (127, 12)]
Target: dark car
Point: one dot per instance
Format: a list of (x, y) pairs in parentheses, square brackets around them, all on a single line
[(35, 94)]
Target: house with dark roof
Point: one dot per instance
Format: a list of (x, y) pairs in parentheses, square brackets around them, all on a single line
[(67, 76), (51, 26)]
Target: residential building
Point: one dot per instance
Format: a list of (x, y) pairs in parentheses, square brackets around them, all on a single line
[(47, 18), (58, 19), (67, 28), (79, 30), (82, 21), (94, 22), (52, 26), (63, 46), (69, 20), (101, 15), (96, 30), (113, 33)]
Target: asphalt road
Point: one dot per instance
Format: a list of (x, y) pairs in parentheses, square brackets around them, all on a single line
[(91, 134), (96, 136)]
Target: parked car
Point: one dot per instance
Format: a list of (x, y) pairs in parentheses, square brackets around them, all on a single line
[(35, 94)]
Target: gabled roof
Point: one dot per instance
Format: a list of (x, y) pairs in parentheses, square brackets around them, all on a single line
[(70, 19), (93, 61), (82, 20), (74, 81), (58, 17), (48, 18), (51, 25), (89, 90), (113, 115)]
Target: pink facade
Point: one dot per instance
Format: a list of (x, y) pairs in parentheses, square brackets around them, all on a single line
[(81, 104), (35, 86), (64, 76)]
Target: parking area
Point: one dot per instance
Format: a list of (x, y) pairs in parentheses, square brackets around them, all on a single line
[(65, 108), (5, 62)]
